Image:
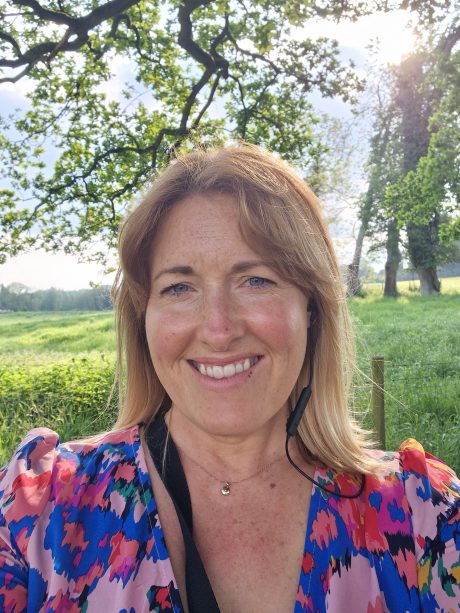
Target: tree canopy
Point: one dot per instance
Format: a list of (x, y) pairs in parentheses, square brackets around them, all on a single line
[(194, 71), (413, 189)]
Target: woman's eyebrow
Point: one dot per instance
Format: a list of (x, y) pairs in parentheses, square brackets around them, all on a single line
[(188, 270), (247, 264), (175, 270)]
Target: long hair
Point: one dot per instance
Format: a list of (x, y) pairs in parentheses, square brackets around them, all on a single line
[(281, 219)]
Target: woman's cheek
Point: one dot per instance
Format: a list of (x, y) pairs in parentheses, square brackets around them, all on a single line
[(165, 330), (283, 323)]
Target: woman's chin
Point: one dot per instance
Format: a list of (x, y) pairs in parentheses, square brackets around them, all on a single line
[(226, 421)]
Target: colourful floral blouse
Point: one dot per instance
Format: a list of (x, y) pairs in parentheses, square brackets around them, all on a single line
[(79, 531)]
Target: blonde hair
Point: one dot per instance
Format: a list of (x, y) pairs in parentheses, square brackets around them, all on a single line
[(281, 219)]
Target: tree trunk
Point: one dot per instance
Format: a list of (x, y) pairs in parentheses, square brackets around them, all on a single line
[(393, 260), (390, 288), (353, 282), (422, 243), (429, 282)]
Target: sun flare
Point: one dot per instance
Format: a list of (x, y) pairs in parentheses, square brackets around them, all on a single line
[(388, 34)]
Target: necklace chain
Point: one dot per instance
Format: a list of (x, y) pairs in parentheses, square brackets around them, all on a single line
[(226, 487)]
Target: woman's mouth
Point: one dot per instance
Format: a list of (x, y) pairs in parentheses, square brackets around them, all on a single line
[(225, 371)]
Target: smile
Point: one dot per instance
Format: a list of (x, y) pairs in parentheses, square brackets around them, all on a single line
[(227, 370)]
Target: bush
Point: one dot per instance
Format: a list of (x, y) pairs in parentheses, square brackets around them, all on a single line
[(71, 396)]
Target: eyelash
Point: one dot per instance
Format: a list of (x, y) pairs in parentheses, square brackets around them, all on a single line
[(171, 289), (265, 281)]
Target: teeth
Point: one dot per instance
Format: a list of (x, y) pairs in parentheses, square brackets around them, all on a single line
[(218, 372), (227, 371)]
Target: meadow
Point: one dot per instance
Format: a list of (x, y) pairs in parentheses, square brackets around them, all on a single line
[(57, 370)]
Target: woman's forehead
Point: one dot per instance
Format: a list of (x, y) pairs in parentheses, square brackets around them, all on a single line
[(204, 226)]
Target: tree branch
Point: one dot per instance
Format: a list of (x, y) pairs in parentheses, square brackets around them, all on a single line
[(113, 33), (9, 39), (207, 74), (76, 26), (185, 37), (17, 77), (448, 42), (57, 17), (243, 104), (199, 117), (254, 56), (212, 62)]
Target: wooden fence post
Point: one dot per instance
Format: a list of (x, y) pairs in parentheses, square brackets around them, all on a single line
[(378, 401)]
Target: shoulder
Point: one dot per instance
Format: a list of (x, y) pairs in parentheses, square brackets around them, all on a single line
[(78, 521), (411, 493), (27, 477), (42, 470), (41, 454), (426, 476), (433, 492), (427, 480), (415, 480), (406, 521)]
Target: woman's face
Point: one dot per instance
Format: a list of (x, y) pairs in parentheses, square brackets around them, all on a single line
[(227, 335)]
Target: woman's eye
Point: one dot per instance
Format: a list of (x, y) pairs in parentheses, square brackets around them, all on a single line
[(176, 289), (259, 282)]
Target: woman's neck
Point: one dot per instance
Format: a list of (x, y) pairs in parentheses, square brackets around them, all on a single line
[(232, 457)]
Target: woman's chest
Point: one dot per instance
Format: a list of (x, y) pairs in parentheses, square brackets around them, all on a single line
[(253, 548)]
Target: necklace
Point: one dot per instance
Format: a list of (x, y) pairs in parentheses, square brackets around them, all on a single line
[(225, 489)]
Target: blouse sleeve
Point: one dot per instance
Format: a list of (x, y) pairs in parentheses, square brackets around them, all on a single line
[(433, 492), (25, 485)]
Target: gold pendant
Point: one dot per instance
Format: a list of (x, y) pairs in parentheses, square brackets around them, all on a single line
[(225, 490)]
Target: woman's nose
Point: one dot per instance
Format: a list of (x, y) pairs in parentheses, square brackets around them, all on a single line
[(221, 321)]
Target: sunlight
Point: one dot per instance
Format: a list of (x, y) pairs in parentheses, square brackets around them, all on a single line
[(392, 34), (388, 33)]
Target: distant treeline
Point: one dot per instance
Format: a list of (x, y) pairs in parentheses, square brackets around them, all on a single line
[(445, 271), (370, 275), (18, 297)]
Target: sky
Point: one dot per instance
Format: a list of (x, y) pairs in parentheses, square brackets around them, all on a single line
[(40, 270)]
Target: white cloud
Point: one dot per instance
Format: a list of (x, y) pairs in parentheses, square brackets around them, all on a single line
[(391, 30), (41, 270)]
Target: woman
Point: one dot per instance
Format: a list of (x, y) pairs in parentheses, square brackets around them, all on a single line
[(231, 314)]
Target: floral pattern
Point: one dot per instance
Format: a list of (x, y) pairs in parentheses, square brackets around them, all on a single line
[(395, 548), (79, 529)]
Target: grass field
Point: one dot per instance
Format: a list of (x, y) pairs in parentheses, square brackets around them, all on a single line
[(420, 341), (56, 369)]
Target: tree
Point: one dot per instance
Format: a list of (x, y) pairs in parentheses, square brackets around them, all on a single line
[(414, 164), (383, 167), (197, 70), (424, 198), (330, 169)]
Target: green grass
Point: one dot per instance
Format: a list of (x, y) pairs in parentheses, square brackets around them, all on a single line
[(419, 339), (56, 370), (57, 332), (71, 395)]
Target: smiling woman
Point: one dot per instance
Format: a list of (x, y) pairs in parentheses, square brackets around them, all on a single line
[(256, 210), (235, 342), (216, 307)]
